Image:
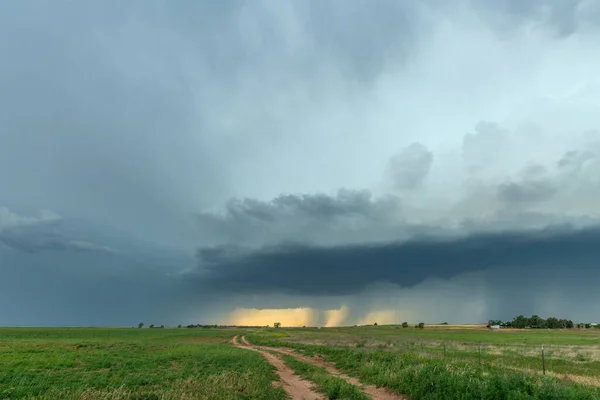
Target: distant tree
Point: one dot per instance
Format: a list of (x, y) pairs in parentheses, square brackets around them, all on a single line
[(562, 323), (588, 325), (141, 325), (554, 323), (444, 323), (179, 326), (151, 326), (570, 324), (520, 322), (421, 325), (277, 324), (162, 326), (537, 322), (375, 324), (405, 324)]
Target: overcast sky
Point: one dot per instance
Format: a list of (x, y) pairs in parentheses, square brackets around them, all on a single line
[(200, 161)]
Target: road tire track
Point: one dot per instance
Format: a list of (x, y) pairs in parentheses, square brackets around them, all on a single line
[(296, 387), (370, 390)]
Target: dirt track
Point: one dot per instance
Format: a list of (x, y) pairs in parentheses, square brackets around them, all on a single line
[(295, 387), (374, 392)]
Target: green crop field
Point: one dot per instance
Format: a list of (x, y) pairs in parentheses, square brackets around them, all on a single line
[(82, 363), (437, 362)]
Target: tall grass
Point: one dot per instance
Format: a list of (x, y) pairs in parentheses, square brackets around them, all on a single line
[(427, 378), (573, 354)]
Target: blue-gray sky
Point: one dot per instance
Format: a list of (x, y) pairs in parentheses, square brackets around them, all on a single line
[(175, 161)]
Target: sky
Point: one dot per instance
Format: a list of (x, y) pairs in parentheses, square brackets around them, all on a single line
[(306, 162)]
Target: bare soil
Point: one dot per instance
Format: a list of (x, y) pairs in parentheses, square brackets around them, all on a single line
[(295, 387), (370, 390)]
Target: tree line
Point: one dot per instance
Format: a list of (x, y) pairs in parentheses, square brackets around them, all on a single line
[(537, 322)]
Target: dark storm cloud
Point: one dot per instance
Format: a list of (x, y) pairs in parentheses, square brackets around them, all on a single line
[(38, 233), (71, 287), (348, 216), (342, 270), (33, 239), (57, 271)]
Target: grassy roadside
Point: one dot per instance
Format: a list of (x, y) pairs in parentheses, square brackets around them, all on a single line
[(333, 387), (426, 378), (570, 353)]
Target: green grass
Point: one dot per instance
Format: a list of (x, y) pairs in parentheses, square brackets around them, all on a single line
[(118, 364), (427, 377), (333, 387), (423, 378), (533, 337), (567, 352), (130, 364)]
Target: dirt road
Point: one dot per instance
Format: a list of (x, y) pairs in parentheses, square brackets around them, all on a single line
[(295, 387), (372, 391)]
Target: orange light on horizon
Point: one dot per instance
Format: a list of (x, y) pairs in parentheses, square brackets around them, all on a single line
[(293, 317)]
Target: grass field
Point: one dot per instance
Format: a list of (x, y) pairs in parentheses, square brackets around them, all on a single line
[(120, 363), (565, 350), (130, 364), (447, 360)]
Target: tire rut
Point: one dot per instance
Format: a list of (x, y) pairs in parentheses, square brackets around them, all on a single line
[(370, 390), (295, 387)]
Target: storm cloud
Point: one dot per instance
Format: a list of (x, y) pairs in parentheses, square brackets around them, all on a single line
[(538, 194), (31, 234), (338, 155), (343, 270)]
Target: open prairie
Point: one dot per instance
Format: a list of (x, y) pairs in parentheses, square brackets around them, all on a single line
[(370, 362), (119, 363)]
